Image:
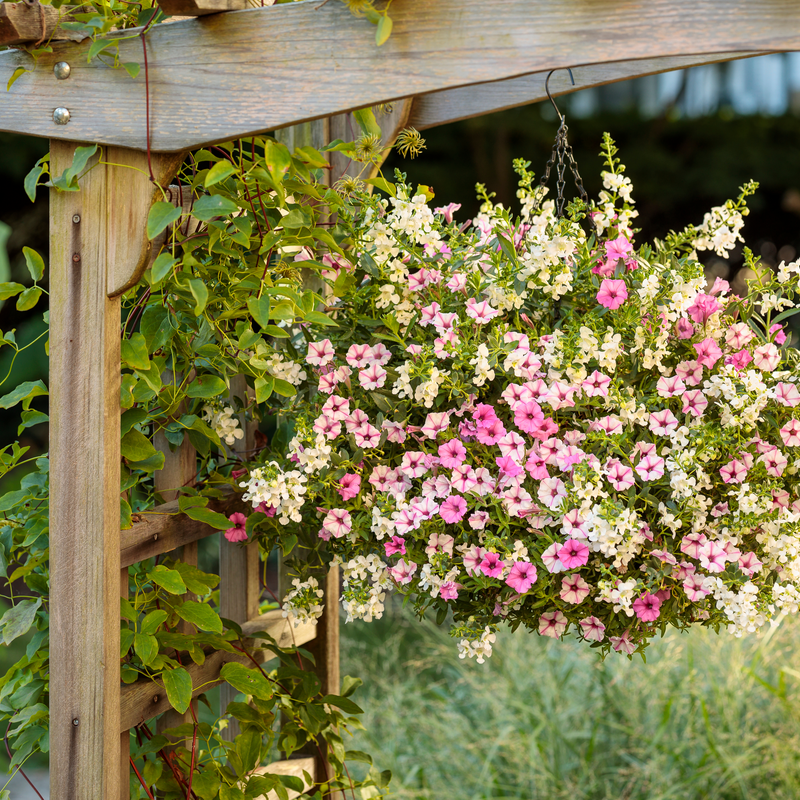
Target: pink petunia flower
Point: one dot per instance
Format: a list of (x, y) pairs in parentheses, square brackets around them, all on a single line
[(403, 572), (397, 544), (478, 520), (573, 554), (481, 312), (790, 433), (551, 560), (739, 361), (712, 557), (528, 416), (694, 403), (787, 395), (733, 472), (338, 522), (522, 576), (449, 590), (684, 329), (749, 564), (574, 589), (690, 372), (453, 509), (435, 424), (703, 308), (670, 387), (647, 607), (650, 468), (492, 433), (708, 352), (552, 492), (447, 211), (596, 385), (349, 486), (320, 353), (619, 475), (373, 377), (693, 586), (767, 357), (780, 337), (508, 467), (552, 624), (492, 565), (593, 630), (663, 423), (612, 294), (452, 453), (692, 543), (623, 644), (238, 532)]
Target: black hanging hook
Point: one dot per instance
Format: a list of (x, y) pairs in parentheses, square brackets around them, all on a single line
[(547, 89)]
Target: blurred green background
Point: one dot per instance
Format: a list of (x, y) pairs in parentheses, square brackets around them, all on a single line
[(708, 716)]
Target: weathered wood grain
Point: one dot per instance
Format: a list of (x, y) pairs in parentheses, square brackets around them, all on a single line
[(165, 528), (85, 567), (199, 8), (180, 466), (228, 75), (145, 699), (450, 105), (21, 23), (239, 580)]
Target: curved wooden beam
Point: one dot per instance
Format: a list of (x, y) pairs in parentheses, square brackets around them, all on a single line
[(451, 105), (224, 76)]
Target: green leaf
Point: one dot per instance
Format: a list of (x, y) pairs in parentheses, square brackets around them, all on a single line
[(201, 615), (212, 518), (384, 30), (278, 159), (29, 298), (25, 392), (206, 386), (259, 309), (32, 178), (68, 180), (213, 205), (220, 171), (31, 418), (134, 352), (383, 185), (178, 684), (366, 119), (132, 68), (350, 684), (146, 647), (18, 619), (278, 333), (17, 73), (9, 290), (199, 291), (125, 641), (231, 793), (283, 311), (34, 262), (295, 219), (161, 214), (311, 156), (248, 746), (283, 388), (162, 266), (97, 47), (318, 318), (135, 446), (168, 579), (342, 702), (264, 387), (245, 680), (151, 622)]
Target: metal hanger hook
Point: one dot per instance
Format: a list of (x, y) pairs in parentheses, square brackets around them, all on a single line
[(547, 89)]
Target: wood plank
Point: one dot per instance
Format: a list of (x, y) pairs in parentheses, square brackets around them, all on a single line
[(165, 528), (21, 23), (292, 766), (239, 580), (199, 8), (145, 699), (180, 467), (450, 105), (85, 567), (230, 75)]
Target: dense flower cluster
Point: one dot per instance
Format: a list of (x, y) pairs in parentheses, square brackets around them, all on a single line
[(536, 421)]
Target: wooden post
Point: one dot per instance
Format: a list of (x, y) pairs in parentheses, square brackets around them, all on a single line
[(96, 239)]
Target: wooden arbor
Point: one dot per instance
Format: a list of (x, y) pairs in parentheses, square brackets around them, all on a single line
[(216, 78)]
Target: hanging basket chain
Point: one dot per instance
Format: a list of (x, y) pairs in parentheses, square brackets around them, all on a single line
[(561, 156)]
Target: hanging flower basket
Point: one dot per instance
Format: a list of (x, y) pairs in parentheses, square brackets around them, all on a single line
[(536, 421)]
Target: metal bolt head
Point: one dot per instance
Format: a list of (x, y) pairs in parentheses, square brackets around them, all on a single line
[(62, 70), (76, 218), (76, 722), (61, 116), (76, 257)]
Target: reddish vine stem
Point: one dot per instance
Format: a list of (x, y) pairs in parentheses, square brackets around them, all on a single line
[(147, 91), (141, 779), (20, 770)]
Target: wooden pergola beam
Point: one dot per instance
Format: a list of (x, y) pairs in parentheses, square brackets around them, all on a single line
[(451, 105), (230, 75)]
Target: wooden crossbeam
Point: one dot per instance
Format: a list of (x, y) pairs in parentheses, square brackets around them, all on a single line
[(146, 698), (21, 23), (165, 528), (439, 108), (230, 75)]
